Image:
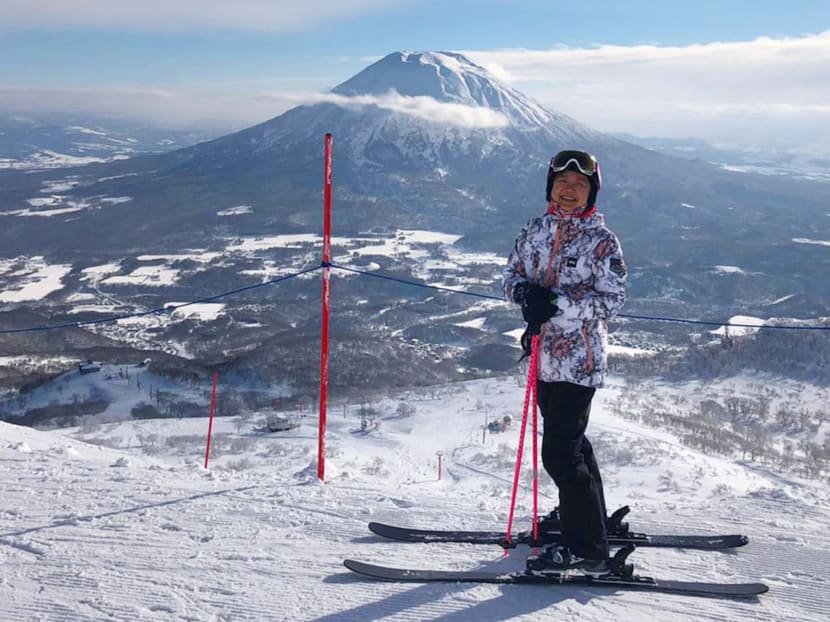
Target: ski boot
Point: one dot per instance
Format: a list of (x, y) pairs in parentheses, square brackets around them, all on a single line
[(614, 525), (557, 560)]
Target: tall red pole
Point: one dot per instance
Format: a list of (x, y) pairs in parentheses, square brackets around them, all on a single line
[(212, 410), (324, 332)]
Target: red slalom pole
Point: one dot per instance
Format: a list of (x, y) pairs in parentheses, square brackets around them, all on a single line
[(531, 383), (324, 332), (212, 410)]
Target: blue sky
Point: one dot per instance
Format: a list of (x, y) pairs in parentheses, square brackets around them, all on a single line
[(237, 63)]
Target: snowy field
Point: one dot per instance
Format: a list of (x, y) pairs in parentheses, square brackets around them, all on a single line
[(139, 530)]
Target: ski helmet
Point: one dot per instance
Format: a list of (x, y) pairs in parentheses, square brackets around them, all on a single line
[(579, 161)]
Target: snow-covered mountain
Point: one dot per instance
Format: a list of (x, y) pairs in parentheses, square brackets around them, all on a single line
[(28, 143), (452, 78), (119, 520), (437, 164)]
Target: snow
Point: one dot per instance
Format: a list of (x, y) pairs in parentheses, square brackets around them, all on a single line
[(121, 521), (115, 200), (84, 130), (274, 241), (41, 201), (148, 276), (205, 311), (628, 350), (780, 300), (197, 255), (27, 362), (746, 326), (30, 278), (61, 205), (474, 323), (96, 272), (73, 207), (52, 159), (809, 241), (107, 309), (729, 270), (236, 211), (59, 185), (110, 177)]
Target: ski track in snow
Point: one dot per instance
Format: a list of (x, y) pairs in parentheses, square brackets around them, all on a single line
[(92, 533)]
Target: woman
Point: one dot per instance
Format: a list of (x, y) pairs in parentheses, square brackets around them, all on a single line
[(567, 271)]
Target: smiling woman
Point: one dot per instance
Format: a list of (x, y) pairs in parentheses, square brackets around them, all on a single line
[(567, 272)]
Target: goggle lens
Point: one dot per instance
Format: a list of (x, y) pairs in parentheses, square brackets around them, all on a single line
[(585, 162)]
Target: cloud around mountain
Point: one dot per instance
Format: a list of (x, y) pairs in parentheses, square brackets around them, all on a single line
[(421, 106)]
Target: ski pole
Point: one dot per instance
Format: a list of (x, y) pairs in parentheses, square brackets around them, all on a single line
[(534, 430), (531, 382)]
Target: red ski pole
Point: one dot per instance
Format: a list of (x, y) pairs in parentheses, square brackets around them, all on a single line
[(531, 384), (534, 430)]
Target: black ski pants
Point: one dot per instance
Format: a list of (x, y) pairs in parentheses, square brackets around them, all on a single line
[(569, 459)]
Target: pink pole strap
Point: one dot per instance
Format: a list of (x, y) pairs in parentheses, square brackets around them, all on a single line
[(531, 383)]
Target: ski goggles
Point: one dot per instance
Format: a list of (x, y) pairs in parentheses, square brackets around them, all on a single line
[(585, 162)]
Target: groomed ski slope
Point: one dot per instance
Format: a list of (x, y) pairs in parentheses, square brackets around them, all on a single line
[(144, 532)]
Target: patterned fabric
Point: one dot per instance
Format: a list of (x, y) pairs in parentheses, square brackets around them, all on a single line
[(580, 260)]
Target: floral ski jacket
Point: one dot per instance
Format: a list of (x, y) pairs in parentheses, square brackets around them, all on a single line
[(580, 260)]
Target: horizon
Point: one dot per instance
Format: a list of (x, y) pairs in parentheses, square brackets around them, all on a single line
[(746, 73)]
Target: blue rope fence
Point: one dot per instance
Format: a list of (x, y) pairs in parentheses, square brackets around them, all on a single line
[(171, 308), (619, 315)]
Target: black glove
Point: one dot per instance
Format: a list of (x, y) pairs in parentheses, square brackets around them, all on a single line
[(527, 343), (538, 305)]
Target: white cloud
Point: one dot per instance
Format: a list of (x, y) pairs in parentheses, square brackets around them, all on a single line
[(176, 15), (425, 108), (768, 88)]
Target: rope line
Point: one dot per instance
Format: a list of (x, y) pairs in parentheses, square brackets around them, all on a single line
[(416, 284), (449, 290), (619, 315)]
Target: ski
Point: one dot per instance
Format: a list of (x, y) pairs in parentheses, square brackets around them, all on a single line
[(405, 534), (633, 582)]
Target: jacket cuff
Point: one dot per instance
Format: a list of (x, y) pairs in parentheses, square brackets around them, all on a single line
[(520, 290)]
